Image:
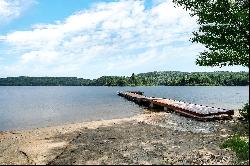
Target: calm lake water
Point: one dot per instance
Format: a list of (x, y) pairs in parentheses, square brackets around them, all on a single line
[(31, 107)]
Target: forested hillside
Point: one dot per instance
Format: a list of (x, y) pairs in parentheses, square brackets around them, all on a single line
[(165, 78)]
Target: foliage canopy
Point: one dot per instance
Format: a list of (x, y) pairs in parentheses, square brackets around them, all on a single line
[(224, 30), (165, 78)]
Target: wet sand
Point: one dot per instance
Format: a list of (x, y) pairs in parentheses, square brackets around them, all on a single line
[(150, 138)]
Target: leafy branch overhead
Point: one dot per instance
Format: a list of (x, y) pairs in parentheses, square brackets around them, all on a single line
[(224, 30)]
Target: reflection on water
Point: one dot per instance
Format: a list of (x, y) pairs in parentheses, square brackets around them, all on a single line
[(29, 107)]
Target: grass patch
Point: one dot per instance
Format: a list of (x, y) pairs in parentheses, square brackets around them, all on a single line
[(239, 146)]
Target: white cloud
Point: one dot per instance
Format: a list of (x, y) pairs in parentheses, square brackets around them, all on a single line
[(109, 38), (11, 9), (39, 56)]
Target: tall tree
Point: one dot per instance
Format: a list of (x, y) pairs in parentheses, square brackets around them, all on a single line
[(224, 30), (133, 79)]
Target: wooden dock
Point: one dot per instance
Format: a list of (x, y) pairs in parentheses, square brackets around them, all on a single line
[(195, 111)]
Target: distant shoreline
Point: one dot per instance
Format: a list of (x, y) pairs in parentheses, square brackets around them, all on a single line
[(118, 86), (162, 78)]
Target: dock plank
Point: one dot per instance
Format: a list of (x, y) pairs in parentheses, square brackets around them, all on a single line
[(199, 112)]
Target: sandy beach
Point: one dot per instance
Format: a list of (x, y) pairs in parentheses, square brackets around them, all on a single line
[(150, 138)]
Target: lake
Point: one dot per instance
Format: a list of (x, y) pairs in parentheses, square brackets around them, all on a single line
[(27, 107)]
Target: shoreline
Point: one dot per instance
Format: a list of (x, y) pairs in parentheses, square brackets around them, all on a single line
[(150, 138), (70, 124), (63, 124)]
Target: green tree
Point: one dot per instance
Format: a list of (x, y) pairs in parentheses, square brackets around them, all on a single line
[(224, 30), (121, 82), (133, 79)]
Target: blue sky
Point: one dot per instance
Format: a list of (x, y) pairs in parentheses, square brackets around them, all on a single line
[(91, 38)]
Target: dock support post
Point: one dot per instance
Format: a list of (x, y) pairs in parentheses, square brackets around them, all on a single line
[(151, 105)]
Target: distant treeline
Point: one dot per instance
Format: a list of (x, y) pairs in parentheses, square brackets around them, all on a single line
[(165, 78)]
